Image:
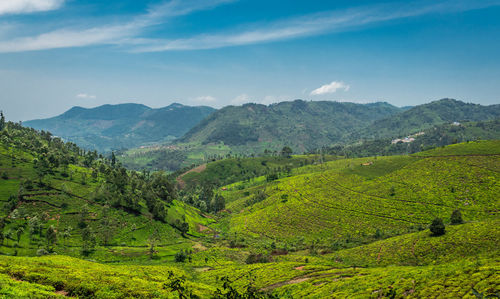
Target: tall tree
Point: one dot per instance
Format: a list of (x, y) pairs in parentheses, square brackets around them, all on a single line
[(2, 121), (51, 236)]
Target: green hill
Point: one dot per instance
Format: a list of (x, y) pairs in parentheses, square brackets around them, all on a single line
[(299, 124), (425, 116), (112, 127), (354, 201), (90, 205), (344, 129), (76, 224), (437, 136)]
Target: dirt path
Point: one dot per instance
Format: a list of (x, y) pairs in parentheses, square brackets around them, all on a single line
[(198, 169)]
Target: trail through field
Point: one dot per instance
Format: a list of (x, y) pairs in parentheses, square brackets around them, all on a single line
[(198, 169)]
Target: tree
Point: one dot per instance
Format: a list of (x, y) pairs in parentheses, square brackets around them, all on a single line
[(2, 225), (66, 233), (19, 233), (218, 203), (437, 227), (41, 168), (456, 217), (180, 257), (286, 151), (51, 237), (182, 226), (106, 226), (2, 121), (88, 241), (34, 225), (113, 159), (153, 239), (84, 212)]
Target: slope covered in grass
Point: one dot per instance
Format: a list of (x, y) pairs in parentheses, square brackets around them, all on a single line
[(465, 241), (93, 207), (374, 196)]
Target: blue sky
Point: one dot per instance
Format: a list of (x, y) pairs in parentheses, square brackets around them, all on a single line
[(55, 54)]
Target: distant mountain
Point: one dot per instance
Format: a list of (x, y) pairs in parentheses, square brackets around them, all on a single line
[(110, 127), (426, 116), (299, 124)]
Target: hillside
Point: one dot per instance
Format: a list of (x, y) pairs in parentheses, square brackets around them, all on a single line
[(425, 116), (344, 129), (112, 127), (288, 226), (299, 124), (55, 197), (353, 201), (436, 136)]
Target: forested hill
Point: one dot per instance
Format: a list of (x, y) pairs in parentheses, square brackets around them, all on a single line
[(426, 116), (110, 127), (299, 124), (52, 190)]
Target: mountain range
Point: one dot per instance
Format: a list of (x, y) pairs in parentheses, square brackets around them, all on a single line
[(112, 127), (194, 133), (299, 124)]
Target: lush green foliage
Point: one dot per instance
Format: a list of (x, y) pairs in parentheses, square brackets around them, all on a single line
[(437, 136), (306, 226), (349, 200), (299, 124), (426, 116), (58, 198)]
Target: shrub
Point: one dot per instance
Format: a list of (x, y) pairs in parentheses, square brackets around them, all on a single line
[(456, 217), (180, 257), (437, 227), (254, 258), (41, 252)]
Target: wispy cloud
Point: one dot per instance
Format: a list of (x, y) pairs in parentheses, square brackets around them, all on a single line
[(313, 24), (241, 99), (205, 99), (330, 88), (28, 6), (85, 96), (110, 34), (130, 34)]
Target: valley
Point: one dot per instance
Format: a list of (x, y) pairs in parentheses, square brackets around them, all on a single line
[(76, 223)]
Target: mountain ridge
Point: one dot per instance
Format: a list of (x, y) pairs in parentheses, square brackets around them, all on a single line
[(300, 124), (110, 127)]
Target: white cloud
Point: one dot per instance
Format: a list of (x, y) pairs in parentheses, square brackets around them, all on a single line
[(85, 96), (205, 99), (313, 24), (28, 6), (330, 88), (110, 34), (128, 34), (241, 99)]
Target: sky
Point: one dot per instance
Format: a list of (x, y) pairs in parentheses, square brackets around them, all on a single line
[(56, 54)]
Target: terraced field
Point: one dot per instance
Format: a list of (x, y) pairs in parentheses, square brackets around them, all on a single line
[(391, 195), (347, 228), (59, 203)]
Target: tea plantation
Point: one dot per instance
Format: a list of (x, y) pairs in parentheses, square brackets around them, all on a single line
[(76, 224)]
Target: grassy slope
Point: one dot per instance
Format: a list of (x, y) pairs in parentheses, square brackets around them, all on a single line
[(413, 265), (130, 233), (232, 170), (349, 201)]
